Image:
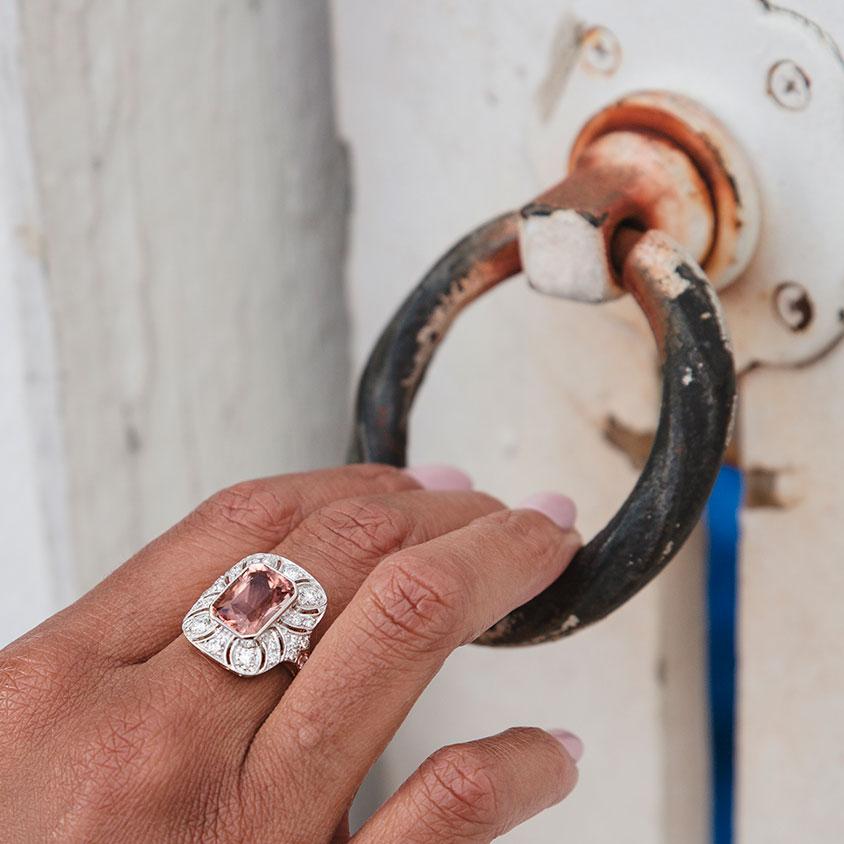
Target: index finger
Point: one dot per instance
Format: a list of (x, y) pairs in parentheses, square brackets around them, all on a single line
[(138, 609), (390, 641)]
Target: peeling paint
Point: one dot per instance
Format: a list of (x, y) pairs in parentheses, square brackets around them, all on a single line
[(570, 623)]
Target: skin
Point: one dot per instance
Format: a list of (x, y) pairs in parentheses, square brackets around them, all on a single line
[(114, 728)]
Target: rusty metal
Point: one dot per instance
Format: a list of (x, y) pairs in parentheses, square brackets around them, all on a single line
[(397, 364), (602, 220), (623, 181), (698, 398), (717, 158)]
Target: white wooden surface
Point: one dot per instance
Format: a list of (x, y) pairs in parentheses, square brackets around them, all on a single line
[(434, 100), (37, 571), (791, 678), (791, 715), (193, 197)]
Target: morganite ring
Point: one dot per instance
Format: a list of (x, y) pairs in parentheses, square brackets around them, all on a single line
[(259, 614)]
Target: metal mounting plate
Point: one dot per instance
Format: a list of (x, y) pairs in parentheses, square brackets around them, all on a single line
[(776, 80)]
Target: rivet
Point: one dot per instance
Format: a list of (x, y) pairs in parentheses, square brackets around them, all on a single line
[(793, 305), (789, 85), (601, 50)]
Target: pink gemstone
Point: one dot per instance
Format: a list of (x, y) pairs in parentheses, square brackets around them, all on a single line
[(253, 599)]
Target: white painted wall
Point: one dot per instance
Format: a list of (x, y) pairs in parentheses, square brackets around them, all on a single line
[(437, 100)]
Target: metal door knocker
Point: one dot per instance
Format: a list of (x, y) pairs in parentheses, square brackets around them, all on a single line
[(656, 200)]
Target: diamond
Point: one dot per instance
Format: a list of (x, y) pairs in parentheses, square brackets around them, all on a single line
[(272, 647), (293, 645), (205, 601), (253, 599), (310, 596), (293, 571), (199, 625), (298, 619), (215, 588), (246, 656), (217, 643)]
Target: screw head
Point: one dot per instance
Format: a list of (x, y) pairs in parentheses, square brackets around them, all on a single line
[(789, 85), (793, 305), (600, 50)]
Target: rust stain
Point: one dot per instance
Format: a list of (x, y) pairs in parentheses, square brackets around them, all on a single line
[(709, 148), (777, 488)]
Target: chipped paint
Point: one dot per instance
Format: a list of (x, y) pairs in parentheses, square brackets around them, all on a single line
[(570, 623)]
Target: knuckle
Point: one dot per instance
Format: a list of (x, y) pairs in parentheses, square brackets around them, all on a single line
[(415, 608), (458, 789), (127, 753), (252, 505), (359, 529)]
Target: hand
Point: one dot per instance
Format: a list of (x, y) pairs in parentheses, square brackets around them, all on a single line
[(113, 727)]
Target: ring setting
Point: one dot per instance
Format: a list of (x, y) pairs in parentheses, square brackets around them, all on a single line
[(257, 615)]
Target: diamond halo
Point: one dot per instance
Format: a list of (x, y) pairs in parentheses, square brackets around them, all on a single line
[(257, 615)]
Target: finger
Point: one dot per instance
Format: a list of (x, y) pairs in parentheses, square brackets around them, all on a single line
[(339, 544), (476, 791), (382, 651), (139, 608)]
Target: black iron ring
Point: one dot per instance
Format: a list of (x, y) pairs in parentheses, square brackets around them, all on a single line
[(698, 397)]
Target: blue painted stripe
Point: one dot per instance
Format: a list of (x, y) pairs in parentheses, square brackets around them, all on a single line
[(722, 521)]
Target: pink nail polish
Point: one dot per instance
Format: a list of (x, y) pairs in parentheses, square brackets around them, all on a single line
[(559, 508), (572, 744), (437, 476)]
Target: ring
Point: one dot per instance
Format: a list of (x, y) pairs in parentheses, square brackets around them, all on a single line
[(259, 614)]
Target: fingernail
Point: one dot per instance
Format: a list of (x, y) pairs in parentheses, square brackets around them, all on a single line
[(437, 476), (572, 744), (559, 508)]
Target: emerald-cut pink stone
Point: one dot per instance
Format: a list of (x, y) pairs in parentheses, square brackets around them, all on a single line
[(253, 599)]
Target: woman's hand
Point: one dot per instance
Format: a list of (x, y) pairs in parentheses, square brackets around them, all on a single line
[(114, 728)]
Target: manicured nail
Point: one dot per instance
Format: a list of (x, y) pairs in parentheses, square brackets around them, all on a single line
[(559, 508), (437, 476), (572, 744)]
